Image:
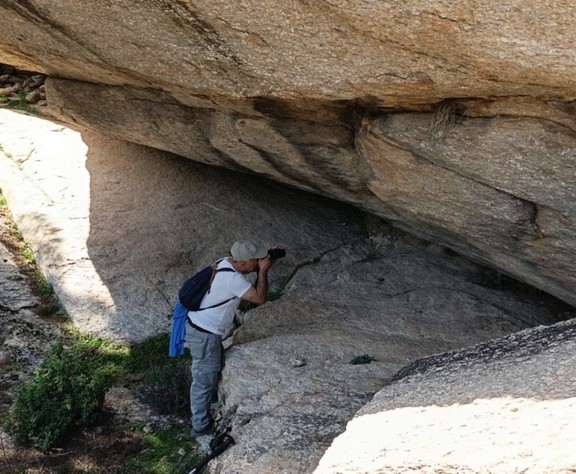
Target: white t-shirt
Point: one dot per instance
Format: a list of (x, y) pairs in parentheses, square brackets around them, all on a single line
[(226, 285)]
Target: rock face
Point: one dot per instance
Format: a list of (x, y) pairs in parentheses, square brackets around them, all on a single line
[(455, 122), (292, 380), (496, 407), (415, 53), (116, 227)]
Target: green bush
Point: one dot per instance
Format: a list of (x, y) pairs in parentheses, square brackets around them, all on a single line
[(362, 359), (66, 392), (274, 295), (166, 387)]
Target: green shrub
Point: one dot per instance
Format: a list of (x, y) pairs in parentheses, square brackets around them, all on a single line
[(166, 387), (44, 286), (275, 295), (20, 104), (66, 392), (27, 253), (362, 359), (166, 383)]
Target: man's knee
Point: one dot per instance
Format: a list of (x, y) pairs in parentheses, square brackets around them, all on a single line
[(207, 380)]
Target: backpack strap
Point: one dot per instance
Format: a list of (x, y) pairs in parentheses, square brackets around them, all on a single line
[(214, 271)]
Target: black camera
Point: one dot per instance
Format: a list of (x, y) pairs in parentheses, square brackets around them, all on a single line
[(277, 253)]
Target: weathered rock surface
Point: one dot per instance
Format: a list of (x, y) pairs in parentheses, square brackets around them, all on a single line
[(18, 88), (116, 254), (117, 228), (14, 295), (415, 52), (499, 190), (497, 407), (454, 121), (501, 187), (291, 387)]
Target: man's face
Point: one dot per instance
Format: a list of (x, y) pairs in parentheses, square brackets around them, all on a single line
[(248, 266), (253, 265)]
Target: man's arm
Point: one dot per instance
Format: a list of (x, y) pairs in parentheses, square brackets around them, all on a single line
[(258, 293)]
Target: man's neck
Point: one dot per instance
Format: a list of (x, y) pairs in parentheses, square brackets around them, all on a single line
[(241, 267)]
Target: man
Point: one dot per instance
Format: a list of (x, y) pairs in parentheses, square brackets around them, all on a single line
[(216, 321)]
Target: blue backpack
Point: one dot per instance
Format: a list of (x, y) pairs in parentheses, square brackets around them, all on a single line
[(190, 297)]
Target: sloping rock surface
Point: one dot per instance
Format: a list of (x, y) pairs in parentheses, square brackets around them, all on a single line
[(415, 52), (504, 406), (497, 189), (24, 337), (291, 382), (355, 289), (117, 228), (455, 121)]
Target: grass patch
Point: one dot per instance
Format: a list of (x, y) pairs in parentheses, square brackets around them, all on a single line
[(275, 295), (8, 155), (447, 115), (165, 384), (166, 388), (44, 286), (246, 306), (166, 452), (26, 252), (50, 306), (149, 353)]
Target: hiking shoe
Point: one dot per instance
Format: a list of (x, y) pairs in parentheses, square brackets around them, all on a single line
[(207, 431)]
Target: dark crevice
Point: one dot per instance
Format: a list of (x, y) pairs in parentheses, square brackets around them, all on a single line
[(525, 344)]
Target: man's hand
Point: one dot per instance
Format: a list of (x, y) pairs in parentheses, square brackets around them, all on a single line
[(264, 264)]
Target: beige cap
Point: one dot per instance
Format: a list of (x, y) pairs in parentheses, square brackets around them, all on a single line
[(243, 250)]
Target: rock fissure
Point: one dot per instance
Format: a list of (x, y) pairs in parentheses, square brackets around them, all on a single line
[(28, 10), (528, 115)]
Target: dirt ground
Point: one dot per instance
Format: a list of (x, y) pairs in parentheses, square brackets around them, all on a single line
[(103, 448)]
